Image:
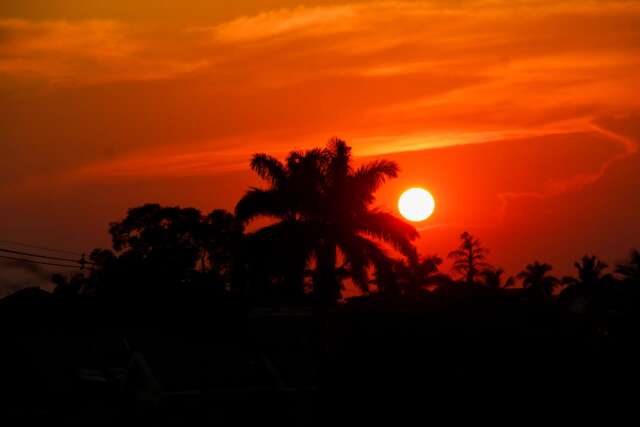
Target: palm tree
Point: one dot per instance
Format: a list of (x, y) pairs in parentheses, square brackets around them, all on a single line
[(492, 278), (348, 222), (323, 206), (417, 273), (535, 277), (283, 246), (590, 270), (586, 290), (630, 271), (469, 258)]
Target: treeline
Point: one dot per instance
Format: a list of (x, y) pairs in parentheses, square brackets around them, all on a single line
[(322, 234)]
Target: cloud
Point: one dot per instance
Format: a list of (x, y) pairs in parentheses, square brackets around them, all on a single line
[(168, 164), (307, 20), (166, 99), (577, 182), (201, 160), (91, 51)]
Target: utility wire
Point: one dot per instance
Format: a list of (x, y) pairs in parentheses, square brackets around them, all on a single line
[(39, 262), (80, 261), (63, 251)]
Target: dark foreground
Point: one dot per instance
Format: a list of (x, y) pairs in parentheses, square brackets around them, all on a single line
[(191, 362)]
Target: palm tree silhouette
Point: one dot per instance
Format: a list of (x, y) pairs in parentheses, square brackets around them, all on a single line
[(590, 270), (492, 278), (417, 273), (586, 290), (535, 278), (469, 258), (291, 193), (326, 202)]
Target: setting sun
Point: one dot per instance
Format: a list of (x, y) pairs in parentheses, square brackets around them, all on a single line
[(416, 204)]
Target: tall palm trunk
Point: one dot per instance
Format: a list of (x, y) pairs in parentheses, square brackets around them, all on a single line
[(295, 272), (327, 287), (294, 279)]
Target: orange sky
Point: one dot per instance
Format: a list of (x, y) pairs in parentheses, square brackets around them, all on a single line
[(523, 118)]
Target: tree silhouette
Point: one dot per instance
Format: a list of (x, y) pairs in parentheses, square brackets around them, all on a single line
[(590, 270), (586, 289), (165, 237), (492, 278), (286, 246), (418, 273), (323, 205), (469, 258), (535, 278), (220, 239), (157, 248)]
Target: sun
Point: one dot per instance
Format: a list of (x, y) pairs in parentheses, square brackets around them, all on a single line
[(416, 204)]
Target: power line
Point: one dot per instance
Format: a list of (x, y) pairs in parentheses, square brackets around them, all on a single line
[(39, 262), (44, 248), (81, 261)]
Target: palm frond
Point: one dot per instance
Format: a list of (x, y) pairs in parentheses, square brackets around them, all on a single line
[(284, 240), (268, 168), (257, 202), (339, 154), (390, 229), (369, 178), (360, 253)]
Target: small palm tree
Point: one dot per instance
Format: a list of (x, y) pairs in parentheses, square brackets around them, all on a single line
[(416, 274), (590, 270), (469, 258), (492, 278), (535, 277), (586, 290)]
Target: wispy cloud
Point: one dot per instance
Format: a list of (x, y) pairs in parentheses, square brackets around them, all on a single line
[(390, 76), (578, 181), (91, 51), (306, 20)]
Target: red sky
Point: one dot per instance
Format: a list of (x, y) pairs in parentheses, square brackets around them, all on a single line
[(522, 118)]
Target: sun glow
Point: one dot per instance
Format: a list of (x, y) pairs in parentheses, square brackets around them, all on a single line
[(416, 204)]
